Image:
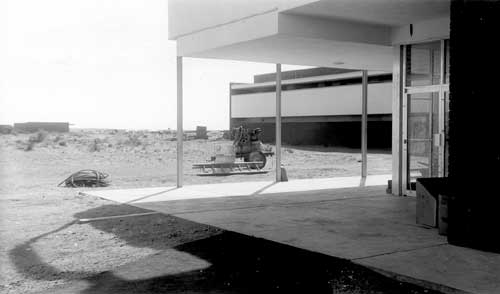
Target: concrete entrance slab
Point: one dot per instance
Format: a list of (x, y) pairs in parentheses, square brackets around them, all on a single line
[(361, 224), (237, 189), (442, 268)]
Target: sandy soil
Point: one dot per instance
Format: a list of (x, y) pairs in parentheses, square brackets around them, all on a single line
[(41, 245)]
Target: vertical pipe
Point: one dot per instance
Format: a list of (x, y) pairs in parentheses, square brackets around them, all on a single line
[(364, 124), (230, 106), (278, 122), (441, 121), (179, 132)]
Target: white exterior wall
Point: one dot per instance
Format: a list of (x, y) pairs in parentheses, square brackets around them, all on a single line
[(338, 100)]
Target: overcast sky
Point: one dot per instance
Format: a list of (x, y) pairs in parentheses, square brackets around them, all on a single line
[(105, 64)]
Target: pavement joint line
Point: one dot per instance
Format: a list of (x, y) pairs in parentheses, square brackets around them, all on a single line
[(87, 220), (305, 203), (151, 195), (400, 251)]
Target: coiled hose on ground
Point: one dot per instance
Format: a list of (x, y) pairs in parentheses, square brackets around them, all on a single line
[(86, 178)]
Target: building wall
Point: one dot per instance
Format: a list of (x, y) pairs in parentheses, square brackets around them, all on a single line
[(318, 110), (325, 133), (31, 127), (339, 100)]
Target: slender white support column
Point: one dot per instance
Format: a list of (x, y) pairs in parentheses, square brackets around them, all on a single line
[(397, 121), (364, 125), (179, 132), (278, 122)]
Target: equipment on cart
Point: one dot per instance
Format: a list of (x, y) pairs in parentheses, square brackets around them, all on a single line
[(246, 146)]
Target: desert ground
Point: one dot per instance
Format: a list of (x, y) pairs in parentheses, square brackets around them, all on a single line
[(42, 245)]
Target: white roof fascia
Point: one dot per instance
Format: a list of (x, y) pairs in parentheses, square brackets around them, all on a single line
[(333, 29), (187, 17), (250, 28), (423, 31)]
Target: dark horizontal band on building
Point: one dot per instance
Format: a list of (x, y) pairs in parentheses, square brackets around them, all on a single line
[(316, 118), (383, 78)]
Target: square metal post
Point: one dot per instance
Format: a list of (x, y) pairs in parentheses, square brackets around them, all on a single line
[(179, 132), (278, 122), (364, 124), (397, 121)]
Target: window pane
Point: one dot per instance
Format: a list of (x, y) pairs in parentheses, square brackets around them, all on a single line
[(423, 64)]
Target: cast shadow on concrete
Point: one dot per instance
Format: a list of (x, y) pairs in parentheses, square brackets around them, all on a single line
[(234, 263)]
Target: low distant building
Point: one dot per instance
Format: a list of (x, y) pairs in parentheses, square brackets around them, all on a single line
[(320, 106), (31, 127)]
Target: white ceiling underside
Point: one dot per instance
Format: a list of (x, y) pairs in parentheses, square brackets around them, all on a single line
[(306, 51)]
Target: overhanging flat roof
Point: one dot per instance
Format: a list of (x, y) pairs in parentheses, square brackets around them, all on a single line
[(351, 34)]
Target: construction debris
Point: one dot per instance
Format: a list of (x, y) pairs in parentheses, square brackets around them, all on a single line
[(201, 132), (247, 146)]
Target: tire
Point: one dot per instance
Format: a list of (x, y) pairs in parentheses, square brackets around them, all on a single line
[(258, 156)]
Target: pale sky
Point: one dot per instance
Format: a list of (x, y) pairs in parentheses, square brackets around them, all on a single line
[(106, 64)]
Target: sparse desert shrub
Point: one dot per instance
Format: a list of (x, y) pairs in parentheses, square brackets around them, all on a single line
[(38, 137), (94, 146), (34, 139), (133, 140), (30, 146), (63, 143)]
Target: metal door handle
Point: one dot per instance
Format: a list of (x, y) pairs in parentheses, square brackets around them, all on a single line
[(438, 139)]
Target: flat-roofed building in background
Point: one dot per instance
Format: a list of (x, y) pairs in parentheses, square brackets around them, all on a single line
[(320, 106), (31, 127)]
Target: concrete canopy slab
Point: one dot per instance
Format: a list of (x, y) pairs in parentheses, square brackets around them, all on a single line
[(275, 37), (382, 12), (348, 34), (330, 227), (287, 49)]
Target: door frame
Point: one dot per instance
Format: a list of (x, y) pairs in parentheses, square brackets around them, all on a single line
[(438, 140)]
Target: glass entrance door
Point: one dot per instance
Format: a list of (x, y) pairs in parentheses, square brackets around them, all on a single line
[(425, 100), (423, 137)]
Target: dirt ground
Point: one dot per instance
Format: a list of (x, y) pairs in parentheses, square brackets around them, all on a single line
[(42, 246)]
